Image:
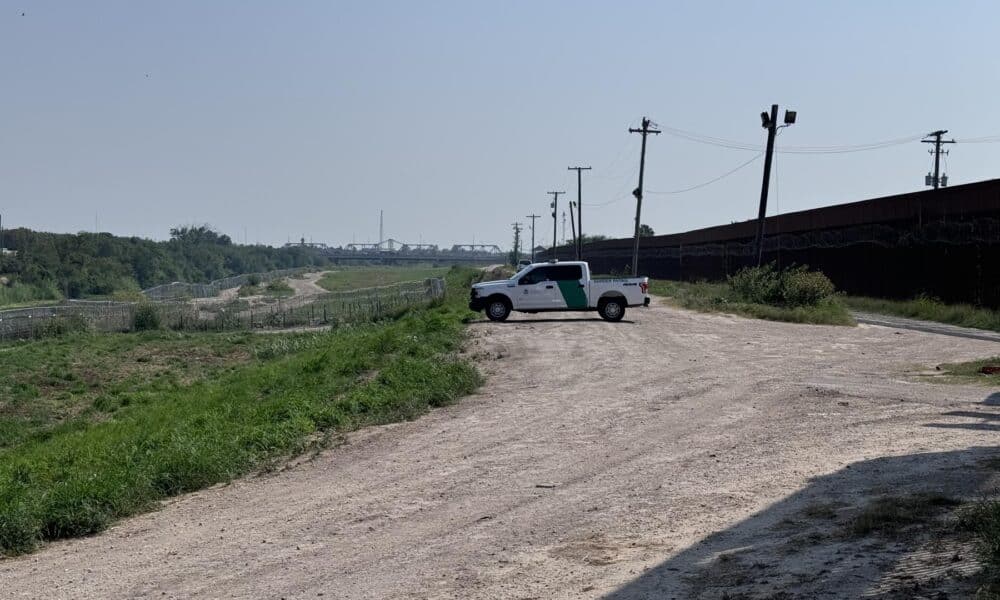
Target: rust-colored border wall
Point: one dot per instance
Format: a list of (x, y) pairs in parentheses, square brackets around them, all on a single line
[(945, 243)]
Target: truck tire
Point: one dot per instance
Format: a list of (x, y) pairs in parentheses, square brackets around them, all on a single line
[(498, 309), (612, 309)]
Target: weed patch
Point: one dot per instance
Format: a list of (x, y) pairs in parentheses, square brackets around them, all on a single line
[(732, 298), (890, 514), (160, 424), (985, 371), (929, 309)]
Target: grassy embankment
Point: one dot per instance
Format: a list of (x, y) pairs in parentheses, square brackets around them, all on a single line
[(929, 309), (795, 295), (99, 427), (352, 278)]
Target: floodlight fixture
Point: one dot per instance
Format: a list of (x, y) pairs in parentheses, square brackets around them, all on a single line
[(790, 117), (765, 120)]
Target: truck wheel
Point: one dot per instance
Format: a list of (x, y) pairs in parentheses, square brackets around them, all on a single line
[(498, 309), (611, 309)]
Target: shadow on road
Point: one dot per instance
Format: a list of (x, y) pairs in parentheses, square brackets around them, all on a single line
[(543, 320), (805, 545)]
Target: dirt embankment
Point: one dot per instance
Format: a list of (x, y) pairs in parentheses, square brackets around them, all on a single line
[(675, 454)]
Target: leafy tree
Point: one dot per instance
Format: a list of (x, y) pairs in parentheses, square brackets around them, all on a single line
[(88, 264), (646, 231)]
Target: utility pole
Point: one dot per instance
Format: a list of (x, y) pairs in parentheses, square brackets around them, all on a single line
[(936, 180), (533, 217), (555, 210), (769, 122), (564, 229), (579, 209), (637, 192), (517, 242), (572, 228)]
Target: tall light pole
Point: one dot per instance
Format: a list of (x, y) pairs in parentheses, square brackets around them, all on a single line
[(769, 122)]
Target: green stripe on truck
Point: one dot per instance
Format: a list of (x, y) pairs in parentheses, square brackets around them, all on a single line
[(573, 294)]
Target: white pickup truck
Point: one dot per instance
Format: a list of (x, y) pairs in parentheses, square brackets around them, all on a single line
[(554, 286)]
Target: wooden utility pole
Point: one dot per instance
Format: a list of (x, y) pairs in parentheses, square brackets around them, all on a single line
[(572, 228), (517, 242), (937, 141), (555, 220), (579, 209), (533, 217), (638, 191)]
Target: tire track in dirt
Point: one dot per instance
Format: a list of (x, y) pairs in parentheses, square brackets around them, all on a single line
[(598, 459)]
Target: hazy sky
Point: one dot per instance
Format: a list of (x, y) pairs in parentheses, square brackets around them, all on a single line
[(290, 119)]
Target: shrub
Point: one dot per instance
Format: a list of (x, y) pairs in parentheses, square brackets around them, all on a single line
[(761, 285), (279, 286), (60, 325), (253, 279), (146, 318), (801, 287), (797, 286)]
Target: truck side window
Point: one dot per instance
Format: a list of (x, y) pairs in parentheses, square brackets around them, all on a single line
[(536, 276), (567, 273)]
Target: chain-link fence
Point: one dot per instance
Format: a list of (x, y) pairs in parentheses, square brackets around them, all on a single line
[(179, 290), (316, 310)]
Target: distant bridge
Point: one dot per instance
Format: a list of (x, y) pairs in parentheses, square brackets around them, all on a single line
[(390, 257)]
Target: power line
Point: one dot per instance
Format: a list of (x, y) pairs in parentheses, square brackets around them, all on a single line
[(989, 139), (619, 198), (737, 145), (710, 181)]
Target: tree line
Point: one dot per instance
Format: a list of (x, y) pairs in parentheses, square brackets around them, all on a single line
[(100, 264)]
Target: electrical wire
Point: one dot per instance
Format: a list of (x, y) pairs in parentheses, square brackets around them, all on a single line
[(621, 197), (737, 145), (710, 181), (989, 139)]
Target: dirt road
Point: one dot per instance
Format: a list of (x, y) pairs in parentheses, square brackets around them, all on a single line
[(669, 456)]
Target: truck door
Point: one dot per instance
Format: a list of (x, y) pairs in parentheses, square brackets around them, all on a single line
[(571, 290), (536, 290)]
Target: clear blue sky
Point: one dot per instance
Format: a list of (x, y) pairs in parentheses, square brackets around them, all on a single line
[(285, 119)]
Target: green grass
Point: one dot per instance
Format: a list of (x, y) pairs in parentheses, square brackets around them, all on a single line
[(718, 297), (112, 424), (353, 278), (929, 309), (21, 295), (891, 514), (278, 288), (79, 376), (969, 372)]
